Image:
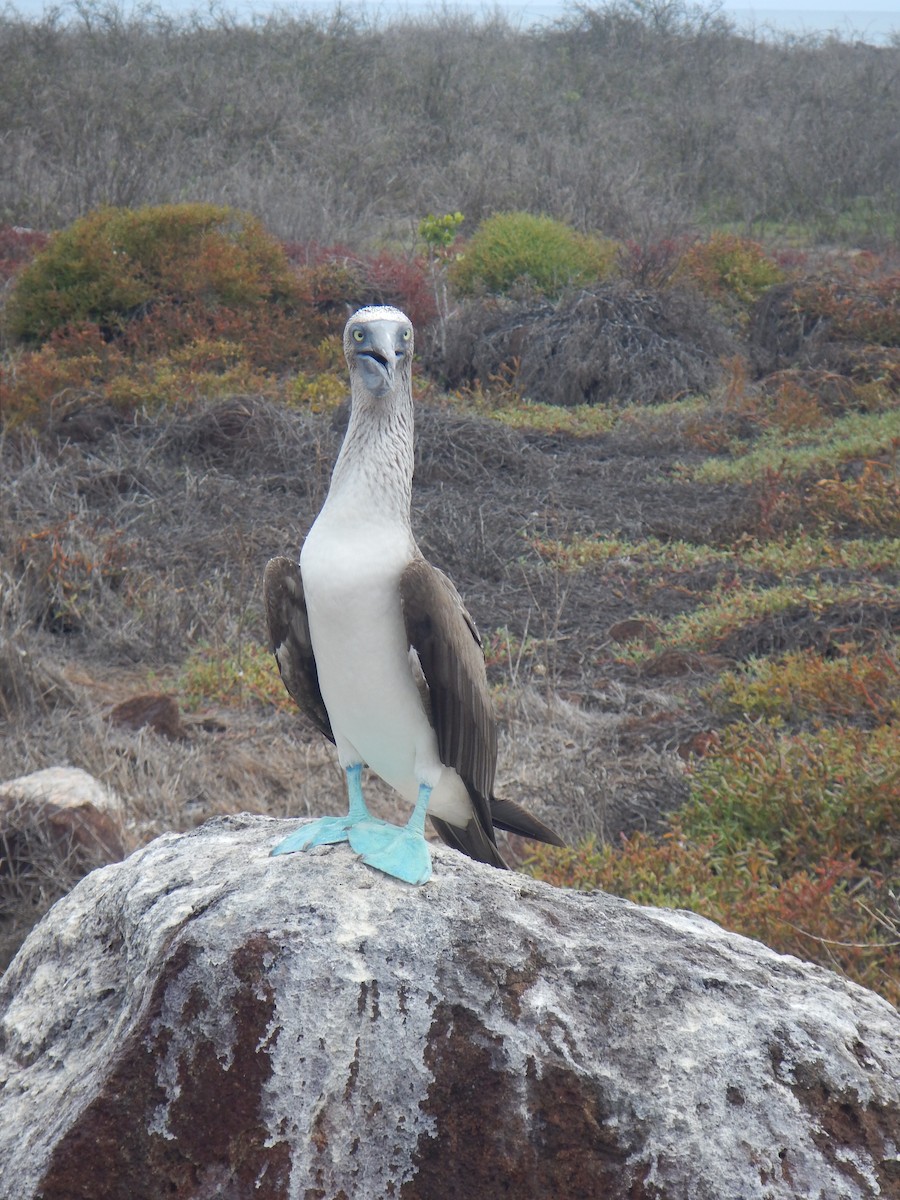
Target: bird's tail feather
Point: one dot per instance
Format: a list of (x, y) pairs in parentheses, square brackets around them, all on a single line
[(471, 840), (512, 817)]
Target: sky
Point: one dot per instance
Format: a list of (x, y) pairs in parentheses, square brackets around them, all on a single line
[(873, 20)]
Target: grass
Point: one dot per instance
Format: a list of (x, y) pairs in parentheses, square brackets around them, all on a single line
[(583, 550), (736, 606), (793, 555), (847, 438), (505, 406)]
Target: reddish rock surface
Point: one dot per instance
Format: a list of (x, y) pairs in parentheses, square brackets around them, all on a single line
[(60, 812), (155, 710)]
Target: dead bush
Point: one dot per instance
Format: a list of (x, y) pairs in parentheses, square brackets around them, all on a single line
[(840, 324), (29, 685), (611, 344)]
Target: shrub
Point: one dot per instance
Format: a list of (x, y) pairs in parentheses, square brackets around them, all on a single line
[(515, 247), (730, 269), (865, 310), (113, 264), (335, 278), (607, 344), (18, 247), (67, 567), (236, 677), (841, 323), (802, 685), (135, 309), (651, 263), (790, 838), (77, 369)]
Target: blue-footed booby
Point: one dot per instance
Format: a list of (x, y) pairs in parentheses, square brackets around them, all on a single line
[(375, 645)]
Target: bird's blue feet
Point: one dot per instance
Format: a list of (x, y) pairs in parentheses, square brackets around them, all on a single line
[(371, 835), (398, 851), (325, 831), (401, 852)]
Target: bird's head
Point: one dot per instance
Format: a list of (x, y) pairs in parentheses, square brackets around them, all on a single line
[(378, 344)]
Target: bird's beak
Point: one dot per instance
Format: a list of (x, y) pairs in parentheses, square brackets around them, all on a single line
[(379, 360)]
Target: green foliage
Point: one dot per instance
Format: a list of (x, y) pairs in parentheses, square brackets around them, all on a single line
[(790, 838), (439, 233), (806, 795), (320, 393), (81, 368), (580, 551), (731, 609), (729, 268), (807, 552), (795, 453), (232, 676), (110, 265), (803, 686), (519, 248), (166, 305), (501, 401)]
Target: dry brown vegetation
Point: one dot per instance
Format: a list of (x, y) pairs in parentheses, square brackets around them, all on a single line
[(670, 494), (637, 119)]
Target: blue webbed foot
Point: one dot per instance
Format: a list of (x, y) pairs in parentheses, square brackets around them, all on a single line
[(371, 835), (402, 853), (325, 831)]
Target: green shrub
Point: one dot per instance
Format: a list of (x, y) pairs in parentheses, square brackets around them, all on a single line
[(136, 309), (234, 676), (516, 247), (789, 838), (730, 269), (803, 686), (113, 264)]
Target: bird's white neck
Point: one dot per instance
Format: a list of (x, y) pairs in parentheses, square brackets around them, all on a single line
[(375, 464)]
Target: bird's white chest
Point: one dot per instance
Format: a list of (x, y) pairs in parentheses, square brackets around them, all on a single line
[(351, 563), (351, 576)]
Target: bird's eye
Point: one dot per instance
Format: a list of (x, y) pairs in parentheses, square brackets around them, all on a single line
[(406, 335), (358, 335)]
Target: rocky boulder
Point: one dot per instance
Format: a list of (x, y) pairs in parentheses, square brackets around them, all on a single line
[(202, 1020), (65, 808), (55, 826)]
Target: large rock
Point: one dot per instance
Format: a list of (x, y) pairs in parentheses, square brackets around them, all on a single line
[(64, 808), (55, 826), (202, 1020)]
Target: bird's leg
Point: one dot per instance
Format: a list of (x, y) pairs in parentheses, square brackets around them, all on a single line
[(402, 852), (327, 830)]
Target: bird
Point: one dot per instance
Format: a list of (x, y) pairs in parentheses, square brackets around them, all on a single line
[(375, 645)]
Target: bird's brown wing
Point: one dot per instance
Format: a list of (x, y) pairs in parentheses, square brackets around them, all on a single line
[(290, 642), (448, 647)]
